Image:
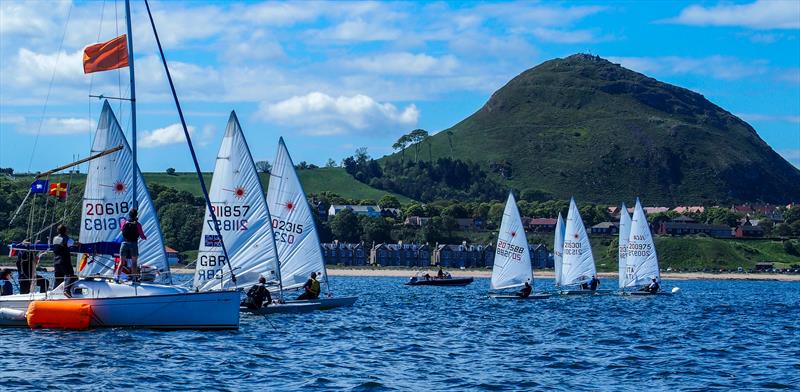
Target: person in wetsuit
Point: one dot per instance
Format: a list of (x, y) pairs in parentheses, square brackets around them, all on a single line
[(258, 295), (526, 290), (594, 283), (653, 287), (62, 259), (311, 289)]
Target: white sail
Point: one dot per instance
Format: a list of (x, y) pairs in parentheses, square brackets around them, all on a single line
[(512, 259), (641, 260), (108, 198), (578, 262), (624, 232), (244, 220), (296, 235), (558, 248)]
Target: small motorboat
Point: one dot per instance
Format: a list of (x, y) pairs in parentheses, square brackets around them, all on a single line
[(416, 281)]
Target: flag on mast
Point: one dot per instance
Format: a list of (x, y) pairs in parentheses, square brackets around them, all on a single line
[(106, 56)]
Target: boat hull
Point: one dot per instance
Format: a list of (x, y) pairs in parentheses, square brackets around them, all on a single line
[(442, 282), (584, 292), (645, 294), (511, 296), (303, 306)]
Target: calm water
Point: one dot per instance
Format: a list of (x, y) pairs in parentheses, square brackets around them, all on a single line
[(715, 334)]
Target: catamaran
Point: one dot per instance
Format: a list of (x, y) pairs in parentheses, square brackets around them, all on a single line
[(624, 233), (558, 249), (512, 258), (296, 241), (641, 259), (577, 261), (114, 186)]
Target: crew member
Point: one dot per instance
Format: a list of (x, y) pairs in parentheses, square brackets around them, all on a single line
[(440, 274), (526, 290), (311, 288), (594, 283), (129, 250), (6, 287), (257, 295), (653, 287), (62, 259)]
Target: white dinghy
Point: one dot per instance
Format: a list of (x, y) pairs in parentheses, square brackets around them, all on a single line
[(512, 259), (577, 261), (641, 258), (296, 240), (558, 249), (624, 233)]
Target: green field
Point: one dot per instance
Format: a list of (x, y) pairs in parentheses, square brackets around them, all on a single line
[(334, 180)]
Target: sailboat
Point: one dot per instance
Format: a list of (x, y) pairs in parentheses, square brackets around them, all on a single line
[(624, 233), (577, 261), (558, 249), (641, 258), (114, 185), (512, 259), (296, 239)]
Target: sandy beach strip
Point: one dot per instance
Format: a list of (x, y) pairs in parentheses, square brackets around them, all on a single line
[(405, 273)]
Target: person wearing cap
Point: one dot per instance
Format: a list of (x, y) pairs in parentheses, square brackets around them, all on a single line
[(129, 249), (526, 291), (258, 295), (311, 289), (6, 287)]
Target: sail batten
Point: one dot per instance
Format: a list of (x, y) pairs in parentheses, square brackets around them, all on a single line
[(244, 220), (108, 198), (577, 261), (296, 238), (624, 233), (641, 258), (512, 259)]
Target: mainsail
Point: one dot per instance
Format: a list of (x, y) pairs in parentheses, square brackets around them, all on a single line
[(512, 259), (558, 249), (641, 260), (244, 220), (296, 236), (624, 232), (578, 262), (108, 198)]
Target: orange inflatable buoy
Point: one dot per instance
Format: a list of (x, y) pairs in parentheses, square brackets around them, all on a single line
[(59, 314)]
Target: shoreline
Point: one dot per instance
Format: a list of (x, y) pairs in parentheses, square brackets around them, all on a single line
[(405, 273)]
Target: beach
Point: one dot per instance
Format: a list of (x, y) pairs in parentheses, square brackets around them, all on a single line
[(395, 272)]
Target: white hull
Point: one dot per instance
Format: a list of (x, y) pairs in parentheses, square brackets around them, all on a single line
[(584, 292), (141, 306), (511, 296), (304, 306)]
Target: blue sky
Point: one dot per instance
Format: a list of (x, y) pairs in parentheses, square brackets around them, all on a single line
[(334, 76)]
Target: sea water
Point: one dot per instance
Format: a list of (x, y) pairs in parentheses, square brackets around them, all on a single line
[(721, 335)]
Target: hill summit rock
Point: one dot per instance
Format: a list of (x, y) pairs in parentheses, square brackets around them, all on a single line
[(587, 127)]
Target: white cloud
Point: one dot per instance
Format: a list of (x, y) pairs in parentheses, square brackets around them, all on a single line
[(320, 114), (718, 67), (170, 134), (792, 155), (563, 36), (793, 119), (55, 126), (762, 14), (359, 30), (404, 63)]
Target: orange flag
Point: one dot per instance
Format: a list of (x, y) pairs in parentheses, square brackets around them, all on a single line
[(106, 56)]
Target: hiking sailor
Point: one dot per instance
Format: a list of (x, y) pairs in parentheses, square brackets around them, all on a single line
[(258, 295), (129, 250), (311, 289)]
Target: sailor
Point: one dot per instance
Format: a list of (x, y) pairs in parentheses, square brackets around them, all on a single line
[(594, 283), (412, 279), (310, 289), (526, 291), (653, 287), (25, 268), (6, 287), (440, 274), (257, 295), (129, 250), (62, 258)]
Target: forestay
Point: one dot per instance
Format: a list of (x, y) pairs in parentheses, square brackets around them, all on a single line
[(641, 259), (296, 236), (108, 198), (244, 220), (624, 232), (512, 260), (578, 262), (558, 248)]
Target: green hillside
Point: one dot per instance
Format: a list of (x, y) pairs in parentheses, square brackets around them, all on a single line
[(586, 127), (334, 180)]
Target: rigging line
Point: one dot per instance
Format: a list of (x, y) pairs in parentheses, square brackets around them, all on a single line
[(119, 70), (91, 77), (49, 88), (13, 217)]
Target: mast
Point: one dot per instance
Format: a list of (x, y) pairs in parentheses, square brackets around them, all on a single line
[(133, 99)]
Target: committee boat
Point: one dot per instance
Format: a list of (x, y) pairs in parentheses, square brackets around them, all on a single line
[(512, 259), (114, 186), (641, 259), (447, 281), (578, 266)]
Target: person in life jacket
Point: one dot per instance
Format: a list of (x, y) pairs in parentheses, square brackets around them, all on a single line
[(62, 259), (129, 249), (311, 288), (526, 291), (258, 295)]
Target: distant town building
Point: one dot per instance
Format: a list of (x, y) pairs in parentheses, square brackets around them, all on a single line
[(416, 221), (371, 211), (464, 255), (541, 225), (688, 209), (350, 255), (684, 225), (748, 228), (607, 228), (173, 257), (540, 256), (655, 210), (400, 255)]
